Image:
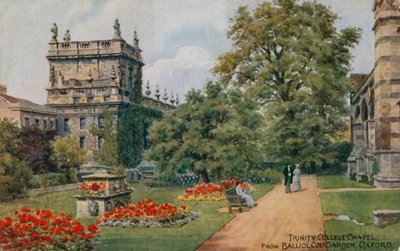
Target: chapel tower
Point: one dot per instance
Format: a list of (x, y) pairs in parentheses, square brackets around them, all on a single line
[(386, 92), (88, 78)]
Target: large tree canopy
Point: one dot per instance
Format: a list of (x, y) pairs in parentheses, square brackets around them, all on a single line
[(14, 172), (213, 133), (292, 60)]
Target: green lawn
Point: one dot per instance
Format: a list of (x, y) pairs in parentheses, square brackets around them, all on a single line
[(339, 181), (187, 237), (359, 205)]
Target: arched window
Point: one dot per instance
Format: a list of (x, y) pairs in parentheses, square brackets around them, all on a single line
[(364, 111), (372, 105)]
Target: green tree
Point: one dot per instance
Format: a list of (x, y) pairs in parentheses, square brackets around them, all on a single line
[(68, 155), (14, 172), (211, 134), (108, 153), (36, 148), (292, 60)]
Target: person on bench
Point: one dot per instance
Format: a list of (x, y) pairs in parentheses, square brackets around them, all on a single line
[(247, 197)]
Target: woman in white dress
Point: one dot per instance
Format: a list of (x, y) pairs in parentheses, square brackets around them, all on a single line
[(247, 197), (296, 178)]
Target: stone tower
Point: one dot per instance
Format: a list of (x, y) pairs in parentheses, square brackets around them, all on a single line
[(88, 78), (386, 91)]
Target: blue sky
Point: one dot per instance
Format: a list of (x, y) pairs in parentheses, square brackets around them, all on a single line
[(180, 39)]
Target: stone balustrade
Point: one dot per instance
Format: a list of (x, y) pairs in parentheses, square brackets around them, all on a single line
[(89, 48)]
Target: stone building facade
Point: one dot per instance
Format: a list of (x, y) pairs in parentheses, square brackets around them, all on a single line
[(24, 112), (88, 78), (376, 103)]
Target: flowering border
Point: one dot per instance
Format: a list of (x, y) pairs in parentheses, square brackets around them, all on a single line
[(202, 192), (147, 213), (44, 230)]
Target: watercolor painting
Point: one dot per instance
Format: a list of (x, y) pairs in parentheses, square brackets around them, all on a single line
[(200, 125)]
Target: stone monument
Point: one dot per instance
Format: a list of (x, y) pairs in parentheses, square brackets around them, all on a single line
[(102, 193)]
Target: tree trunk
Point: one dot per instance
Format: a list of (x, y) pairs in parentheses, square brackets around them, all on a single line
[(204, 176), (68, 174)]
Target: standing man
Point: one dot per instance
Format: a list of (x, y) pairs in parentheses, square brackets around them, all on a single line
[(288, 172)]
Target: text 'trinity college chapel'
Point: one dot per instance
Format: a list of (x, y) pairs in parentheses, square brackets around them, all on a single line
[(376, 104)]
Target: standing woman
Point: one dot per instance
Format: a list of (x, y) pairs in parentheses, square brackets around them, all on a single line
[(296, 173)]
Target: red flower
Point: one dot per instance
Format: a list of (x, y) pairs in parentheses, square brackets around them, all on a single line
[(93, 228)]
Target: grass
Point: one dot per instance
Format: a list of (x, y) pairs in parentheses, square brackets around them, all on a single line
[(359, 205), (339, 181), (187, 237), (388, 235)]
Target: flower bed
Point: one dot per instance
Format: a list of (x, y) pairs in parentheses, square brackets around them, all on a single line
[(148, 214), (93, 188), (44, 230), (203, 192), (229, 183)]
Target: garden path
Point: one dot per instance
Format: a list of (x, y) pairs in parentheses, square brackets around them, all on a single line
[(269, 225)]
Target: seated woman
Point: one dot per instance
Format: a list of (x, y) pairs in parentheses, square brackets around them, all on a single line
[(247, 197)]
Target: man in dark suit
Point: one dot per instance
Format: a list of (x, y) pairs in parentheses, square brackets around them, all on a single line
[(288, 172)]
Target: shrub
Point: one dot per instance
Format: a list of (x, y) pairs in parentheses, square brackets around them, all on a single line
[(268, 176)]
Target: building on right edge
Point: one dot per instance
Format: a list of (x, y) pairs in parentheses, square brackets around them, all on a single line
[(375, 99)]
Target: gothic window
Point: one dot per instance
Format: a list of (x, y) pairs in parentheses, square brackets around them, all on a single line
[(82, 123), (372, 105), (364, 111), (357, 112)]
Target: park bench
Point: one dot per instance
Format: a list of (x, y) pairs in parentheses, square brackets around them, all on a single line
[(384, 217), (233, 199)]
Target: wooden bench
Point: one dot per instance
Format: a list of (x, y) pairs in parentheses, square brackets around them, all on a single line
[(384, 217), (233, 199)]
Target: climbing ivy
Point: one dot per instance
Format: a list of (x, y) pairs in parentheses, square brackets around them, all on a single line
[(132, 133)]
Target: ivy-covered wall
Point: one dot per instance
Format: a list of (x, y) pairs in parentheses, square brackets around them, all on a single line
[(132, 133)]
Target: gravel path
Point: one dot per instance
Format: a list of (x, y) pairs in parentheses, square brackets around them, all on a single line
[(280, 221)]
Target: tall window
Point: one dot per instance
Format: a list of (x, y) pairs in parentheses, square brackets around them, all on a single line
[(44, 124), (51, 124), (101, 122), (101, 142), (66, 124), (37, 122), (82, 123), (130, 78), (27, 122), (82, 142)]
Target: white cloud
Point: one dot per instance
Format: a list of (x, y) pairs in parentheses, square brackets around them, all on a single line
[(190, 68), (163, 27)]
